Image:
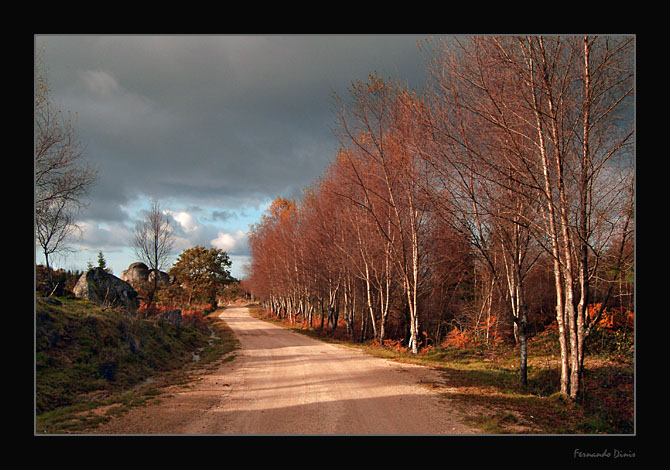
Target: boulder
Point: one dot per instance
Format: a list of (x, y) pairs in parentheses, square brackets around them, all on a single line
[(136, 272), (140, 272), (106, 290), (163, 278)]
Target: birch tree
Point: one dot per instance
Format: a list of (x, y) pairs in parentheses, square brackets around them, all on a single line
[(562, 106), (479, 165), (373, 125)]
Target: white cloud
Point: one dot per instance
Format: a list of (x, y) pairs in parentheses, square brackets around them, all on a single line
[(189, 232), (188, 222), (224, 241), (230, 243)]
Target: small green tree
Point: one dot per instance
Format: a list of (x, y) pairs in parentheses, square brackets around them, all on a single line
[(102, 263), (202, 272)]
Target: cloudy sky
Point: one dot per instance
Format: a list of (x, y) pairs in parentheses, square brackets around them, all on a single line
[(213, 127)]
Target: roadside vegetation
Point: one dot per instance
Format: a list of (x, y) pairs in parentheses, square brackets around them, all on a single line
[(482, 380), (92, 364)]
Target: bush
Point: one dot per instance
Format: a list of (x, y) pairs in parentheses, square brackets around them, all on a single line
[(457, 339)]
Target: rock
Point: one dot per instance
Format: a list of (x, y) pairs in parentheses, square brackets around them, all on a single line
[(140, 272), (106, 290), (163, 278), (136, 272)]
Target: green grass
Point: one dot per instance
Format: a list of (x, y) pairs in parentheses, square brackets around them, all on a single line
[(87, 358)]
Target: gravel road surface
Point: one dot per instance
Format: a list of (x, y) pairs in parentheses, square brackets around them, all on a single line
[(282, 382)]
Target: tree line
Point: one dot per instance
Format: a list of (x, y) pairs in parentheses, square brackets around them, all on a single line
[(497, 199)]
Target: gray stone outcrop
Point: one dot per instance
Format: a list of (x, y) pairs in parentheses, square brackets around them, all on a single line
[(163, 278), (140, 272), (136, 272), (106, 290)]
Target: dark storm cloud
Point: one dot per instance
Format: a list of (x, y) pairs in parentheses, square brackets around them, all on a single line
[(223, 120)]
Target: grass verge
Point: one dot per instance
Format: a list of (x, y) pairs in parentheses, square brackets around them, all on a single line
[(92, 364)]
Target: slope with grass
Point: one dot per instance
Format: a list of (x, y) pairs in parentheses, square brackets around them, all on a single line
[(87, 357)]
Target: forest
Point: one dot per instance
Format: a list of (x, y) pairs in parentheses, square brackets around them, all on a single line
[(493, 204)]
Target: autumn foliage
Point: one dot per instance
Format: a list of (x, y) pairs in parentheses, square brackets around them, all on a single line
[(613, 318), (481, 211)]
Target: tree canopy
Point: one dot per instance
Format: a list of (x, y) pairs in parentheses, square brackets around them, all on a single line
[(202, 272)]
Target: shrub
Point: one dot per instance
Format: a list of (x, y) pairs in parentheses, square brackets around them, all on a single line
[(615, 318), (457, 339)]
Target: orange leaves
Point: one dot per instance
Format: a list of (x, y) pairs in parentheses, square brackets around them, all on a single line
[(196, 314), (457, 339), (374, 84), (612, 318), (281, 206), (146, 310), (462, 338)]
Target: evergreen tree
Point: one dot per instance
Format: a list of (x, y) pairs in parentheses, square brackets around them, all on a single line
[(102, 263)]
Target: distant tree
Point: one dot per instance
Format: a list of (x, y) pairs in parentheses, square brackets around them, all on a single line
[(62, 176), (153, 242), (202, 272), (54, 223), (102, 263)]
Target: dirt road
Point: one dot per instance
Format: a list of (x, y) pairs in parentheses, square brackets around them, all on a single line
[(282, 382)]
